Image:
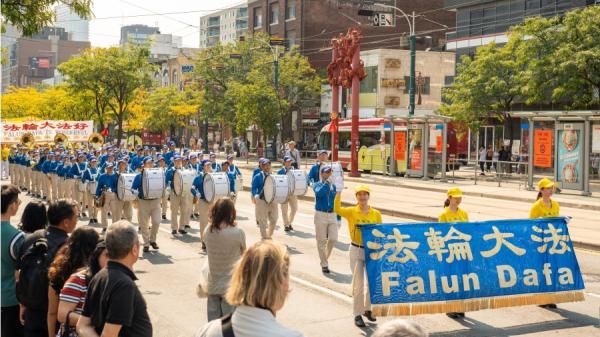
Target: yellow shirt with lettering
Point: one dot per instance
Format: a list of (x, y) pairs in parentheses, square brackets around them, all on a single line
[(449, 216), (540, 210), (355, 216)]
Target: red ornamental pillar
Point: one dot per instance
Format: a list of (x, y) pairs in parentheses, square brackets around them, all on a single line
[(355, 108), (335, 103)]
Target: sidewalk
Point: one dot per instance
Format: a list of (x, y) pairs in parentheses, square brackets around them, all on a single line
[(420, 200)]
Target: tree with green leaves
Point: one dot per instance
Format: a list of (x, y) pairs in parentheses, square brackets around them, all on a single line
[(563, 56), (83, 75), (485, 86), (112, 76), (31, 16), (170, 109)]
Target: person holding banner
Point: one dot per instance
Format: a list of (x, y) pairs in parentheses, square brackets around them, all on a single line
[(545, 207), (362, 213), (326, 224), (453, 213)]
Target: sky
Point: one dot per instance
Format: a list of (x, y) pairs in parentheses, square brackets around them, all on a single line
[(111, 15)]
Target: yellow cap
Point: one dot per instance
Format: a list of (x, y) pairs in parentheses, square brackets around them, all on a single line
[(455, 192), (362, 188), (545, 183)]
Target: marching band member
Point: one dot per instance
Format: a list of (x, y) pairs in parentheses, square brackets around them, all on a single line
[(121, 209), (171, 153), (292, 203), (90, 175), (106, 188), (362, 213), (313, 174), (35, 177), (76, 173), (213, 163), (453, 213), (545, 207), (148, 209), (257, 170), (196, 164), (232, 167), (110, 159), (266, 214), (53, 173), (45, 176), (203, 206), (326, 224), (231, 178), (63, 174), (179, 203), (28, 172), (164, 201)]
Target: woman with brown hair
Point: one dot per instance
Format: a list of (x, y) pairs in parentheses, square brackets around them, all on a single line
[(258, 288), (225, 244), (70, 258)]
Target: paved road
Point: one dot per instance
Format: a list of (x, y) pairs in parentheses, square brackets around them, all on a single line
[(320, 305)]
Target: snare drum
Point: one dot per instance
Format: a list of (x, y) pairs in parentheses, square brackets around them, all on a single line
[(297, 180), (82, 186), (124, 187), (182, 181), (238, 184), (276, 188), (216, 185), (91, 187), (153, 182)]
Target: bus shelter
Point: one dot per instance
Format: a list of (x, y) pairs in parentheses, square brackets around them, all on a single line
[(423, 145), (564, 145)]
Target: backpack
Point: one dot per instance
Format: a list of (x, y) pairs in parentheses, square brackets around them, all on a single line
[(32, 287)]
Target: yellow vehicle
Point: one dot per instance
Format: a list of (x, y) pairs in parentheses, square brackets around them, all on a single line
[(372, 154)]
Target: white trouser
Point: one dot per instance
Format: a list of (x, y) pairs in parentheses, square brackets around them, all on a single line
[(360, 296), (326, 227), (149, 211), (109, 197), (292, 205), (266, 217)]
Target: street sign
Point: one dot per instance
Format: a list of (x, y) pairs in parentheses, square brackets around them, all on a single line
[(277, 41), (383, 20), (187, 68)]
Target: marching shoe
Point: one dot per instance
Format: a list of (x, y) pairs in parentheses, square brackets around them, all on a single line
[(369, 315), (164, 217), (103, 230), (154, 245), (287, 228), (146, 249), (358, 321), (181, 231), (203, 247), (326, 271), (173, 232)]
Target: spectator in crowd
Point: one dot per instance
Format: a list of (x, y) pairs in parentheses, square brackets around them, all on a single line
[(259, 287), (114, 306), (489, 154), (482, 154), (34, 217), (225, 244), (293, 153), (72, 295), (11, 240), (504, 157), (33, 277), (400, 328), (70, 258)]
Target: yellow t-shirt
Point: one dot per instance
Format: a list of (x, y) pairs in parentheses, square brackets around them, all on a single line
[(540, 210), (355, 216), (5, 153), (449, 216)]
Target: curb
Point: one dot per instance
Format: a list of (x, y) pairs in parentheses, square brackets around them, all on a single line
[(376, 181)]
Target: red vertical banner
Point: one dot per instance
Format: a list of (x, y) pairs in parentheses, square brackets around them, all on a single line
[(438, 144), (415, 159), (400, 145), (542, 148)]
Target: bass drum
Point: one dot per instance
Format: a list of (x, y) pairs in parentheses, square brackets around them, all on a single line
[(91, 187), (124, 187), (276, 188), (297, 181), (153, 182), (182, 181), (216, 185)]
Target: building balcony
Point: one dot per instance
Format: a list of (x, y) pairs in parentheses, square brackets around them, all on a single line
[(214, 21)]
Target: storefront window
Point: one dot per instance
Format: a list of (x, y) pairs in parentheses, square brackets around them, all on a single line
[(369, 83)]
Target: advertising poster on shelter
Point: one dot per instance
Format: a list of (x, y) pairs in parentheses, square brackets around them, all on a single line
[(569, 156)]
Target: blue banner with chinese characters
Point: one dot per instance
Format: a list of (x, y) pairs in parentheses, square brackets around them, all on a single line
[(440, 267)]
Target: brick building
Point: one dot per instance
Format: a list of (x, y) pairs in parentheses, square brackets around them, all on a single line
[(37, 57), (311, 24)]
